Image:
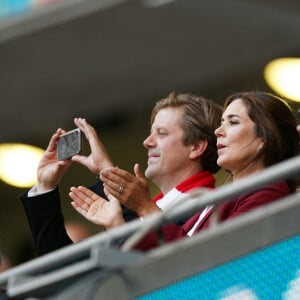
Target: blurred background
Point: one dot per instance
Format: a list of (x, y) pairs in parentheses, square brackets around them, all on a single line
[(110, 61)]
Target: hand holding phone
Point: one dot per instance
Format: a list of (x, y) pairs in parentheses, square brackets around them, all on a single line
[(69, 144)]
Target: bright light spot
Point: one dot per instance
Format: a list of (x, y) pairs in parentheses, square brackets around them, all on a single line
[(283, 76), (18, 164)]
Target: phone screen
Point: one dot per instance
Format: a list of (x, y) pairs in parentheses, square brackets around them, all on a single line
[(69, 144)]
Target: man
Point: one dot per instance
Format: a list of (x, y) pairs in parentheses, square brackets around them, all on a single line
[(182, 156)]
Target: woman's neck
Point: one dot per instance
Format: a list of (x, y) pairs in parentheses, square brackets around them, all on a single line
[(247, 171)]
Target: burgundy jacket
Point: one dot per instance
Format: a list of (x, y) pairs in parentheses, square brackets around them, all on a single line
[(227, 210)]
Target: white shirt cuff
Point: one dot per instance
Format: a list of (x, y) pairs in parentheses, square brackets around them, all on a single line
[(33, 192)]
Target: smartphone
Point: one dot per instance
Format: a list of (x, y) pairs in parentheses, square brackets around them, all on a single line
[(69, 144)]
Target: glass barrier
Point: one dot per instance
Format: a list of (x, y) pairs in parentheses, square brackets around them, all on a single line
[(271, 273)]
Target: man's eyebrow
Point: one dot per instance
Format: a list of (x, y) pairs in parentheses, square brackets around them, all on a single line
[(157, 128)]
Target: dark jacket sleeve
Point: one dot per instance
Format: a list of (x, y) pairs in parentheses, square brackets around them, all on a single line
[(46, 221)]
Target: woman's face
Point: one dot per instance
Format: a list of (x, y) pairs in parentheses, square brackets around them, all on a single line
[(237, 142)]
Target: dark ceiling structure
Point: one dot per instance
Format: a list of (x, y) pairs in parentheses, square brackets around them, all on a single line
[(109, 61)]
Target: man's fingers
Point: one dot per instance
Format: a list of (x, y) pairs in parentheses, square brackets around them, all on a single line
[(118, 176)]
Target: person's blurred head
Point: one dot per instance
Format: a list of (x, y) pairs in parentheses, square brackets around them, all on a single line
[(182, 137), (257, 130)]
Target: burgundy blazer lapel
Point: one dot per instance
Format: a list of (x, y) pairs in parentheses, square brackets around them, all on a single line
[(205, 220), (188, 225), (203, 224)]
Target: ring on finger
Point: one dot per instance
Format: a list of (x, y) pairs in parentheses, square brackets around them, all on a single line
[(121, 189)]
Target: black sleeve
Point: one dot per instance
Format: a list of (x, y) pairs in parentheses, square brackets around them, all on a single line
[(46, 221)]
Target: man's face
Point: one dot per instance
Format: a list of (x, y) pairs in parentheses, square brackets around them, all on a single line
[(168, 158)]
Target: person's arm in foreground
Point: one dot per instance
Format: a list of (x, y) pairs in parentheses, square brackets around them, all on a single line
[(43, 209), (42, 204)]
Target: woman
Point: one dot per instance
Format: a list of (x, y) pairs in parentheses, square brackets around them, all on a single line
[(257, 130)]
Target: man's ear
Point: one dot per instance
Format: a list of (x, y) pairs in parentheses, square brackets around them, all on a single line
[(197, 149)]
